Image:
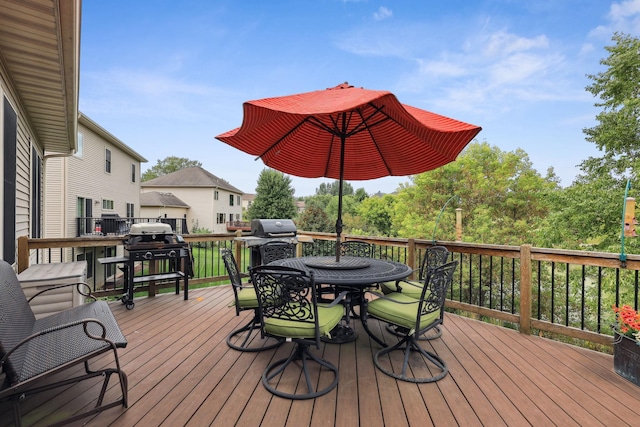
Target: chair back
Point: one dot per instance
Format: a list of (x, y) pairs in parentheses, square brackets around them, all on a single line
[(16, 321), (234, 274), (356, 248), (434, 257), (275, 250), (434, 294), (287, 294)]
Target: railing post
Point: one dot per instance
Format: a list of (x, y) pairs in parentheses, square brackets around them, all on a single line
[(525, 289), (23, 253), (238, 250), (411, 255), (458, 224)]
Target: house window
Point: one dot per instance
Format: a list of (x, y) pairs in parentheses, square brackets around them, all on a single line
[(130, 210), (84, 212), (133, 172), (221, 219), (107, 204), (107, 159), (231, 199), (9, 143), (36, 194), (238, 200), (215, 195)]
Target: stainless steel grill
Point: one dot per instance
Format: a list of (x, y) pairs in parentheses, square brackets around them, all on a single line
[(267, 230)]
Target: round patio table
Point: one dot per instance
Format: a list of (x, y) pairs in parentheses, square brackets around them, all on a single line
[(353, 274)]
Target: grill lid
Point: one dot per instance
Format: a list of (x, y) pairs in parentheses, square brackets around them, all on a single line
[(273, 228), (150, 228)]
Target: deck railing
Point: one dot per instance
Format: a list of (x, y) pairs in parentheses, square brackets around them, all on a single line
[(535, 290)]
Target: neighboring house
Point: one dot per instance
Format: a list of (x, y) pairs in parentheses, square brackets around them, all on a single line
[(300, 206), (212, 201), (156, 204), (39, 79), (247, 201), (101, 178)]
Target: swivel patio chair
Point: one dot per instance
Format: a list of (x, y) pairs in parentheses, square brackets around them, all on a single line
[(244, 339), (289, 310), (413, 317), (357, 248), (434, 257), (275, 249)]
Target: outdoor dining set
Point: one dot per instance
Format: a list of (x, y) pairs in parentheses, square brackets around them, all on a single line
[(312, 299)]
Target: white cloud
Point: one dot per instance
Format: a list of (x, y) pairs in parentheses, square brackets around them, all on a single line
[(382, 13)]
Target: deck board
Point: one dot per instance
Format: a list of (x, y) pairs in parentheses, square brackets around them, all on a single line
[(181, 372)]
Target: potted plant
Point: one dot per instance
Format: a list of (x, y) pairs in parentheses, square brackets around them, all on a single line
[(626, 345)]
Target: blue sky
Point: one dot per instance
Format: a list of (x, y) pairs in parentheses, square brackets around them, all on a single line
[(167, 76)]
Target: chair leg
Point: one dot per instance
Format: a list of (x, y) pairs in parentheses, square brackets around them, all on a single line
[(250, 330), (409, 344), (301, 353)]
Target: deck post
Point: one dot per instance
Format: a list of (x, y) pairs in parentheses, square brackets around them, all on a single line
[(23, 253), (525, 289), (411, 256)]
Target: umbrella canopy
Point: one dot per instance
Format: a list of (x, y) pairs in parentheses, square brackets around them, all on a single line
[(347, 133)]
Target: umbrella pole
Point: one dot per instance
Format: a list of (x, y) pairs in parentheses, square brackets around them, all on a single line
[(339, 220)]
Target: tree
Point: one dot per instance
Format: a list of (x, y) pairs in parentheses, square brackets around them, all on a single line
[(274, 197), (502, 197), (315, 219), (168, 165), (589, 211), (333, 188), (618, 130)]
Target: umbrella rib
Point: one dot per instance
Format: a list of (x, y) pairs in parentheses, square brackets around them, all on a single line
[(367, 127), (293, 129)]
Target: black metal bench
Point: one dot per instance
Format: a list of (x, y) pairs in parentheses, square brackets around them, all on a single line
[(33, 349)]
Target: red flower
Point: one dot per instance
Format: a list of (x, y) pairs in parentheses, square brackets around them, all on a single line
[(627, 321)]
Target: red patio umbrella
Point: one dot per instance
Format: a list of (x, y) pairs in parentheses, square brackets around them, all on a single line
[(347, 133)]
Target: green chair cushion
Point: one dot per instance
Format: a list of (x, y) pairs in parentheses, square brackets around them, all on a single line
[(413, 291), (247, 297), (404, 315), (328, 318)]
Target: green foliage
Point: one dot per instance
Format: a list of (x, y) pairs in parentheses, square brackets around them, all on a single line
[(168, 165), (315, 219), (503, 199), (377, 213), (274, 197), (333, 188)]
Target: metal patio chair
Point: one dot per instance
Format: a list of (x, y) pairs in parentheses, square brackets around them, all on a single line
[(245, 299), (275, 249), (412, 318), (289, 310)]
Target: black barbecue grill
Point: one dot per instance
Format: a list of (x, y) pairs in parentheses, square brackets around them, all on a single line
[(267, 230), (155, 241)]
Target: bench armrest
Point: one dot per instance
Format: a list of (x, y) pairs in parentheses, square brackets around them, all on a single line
[(53, 330), (83, 289)]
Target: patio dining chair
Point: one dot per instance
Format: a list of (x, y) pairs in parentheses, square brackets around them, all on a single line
[(245, 299), (357, 248), (434, 257), (412, 318), (288, 309), (275, 249)]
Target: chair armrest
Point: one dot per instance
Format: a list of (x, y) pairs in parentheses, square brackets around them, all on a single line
[(53, 330), (86, 292), (386, 297), (338, 299)]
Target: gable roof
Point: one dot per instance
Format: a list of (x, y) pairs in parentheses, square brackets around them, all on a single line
[(94, 127), (158, 198), (40, 49), (190, 177)]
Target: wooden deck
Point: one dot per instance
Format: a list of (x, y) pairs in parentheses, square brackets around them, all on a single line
[(181, 372)]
